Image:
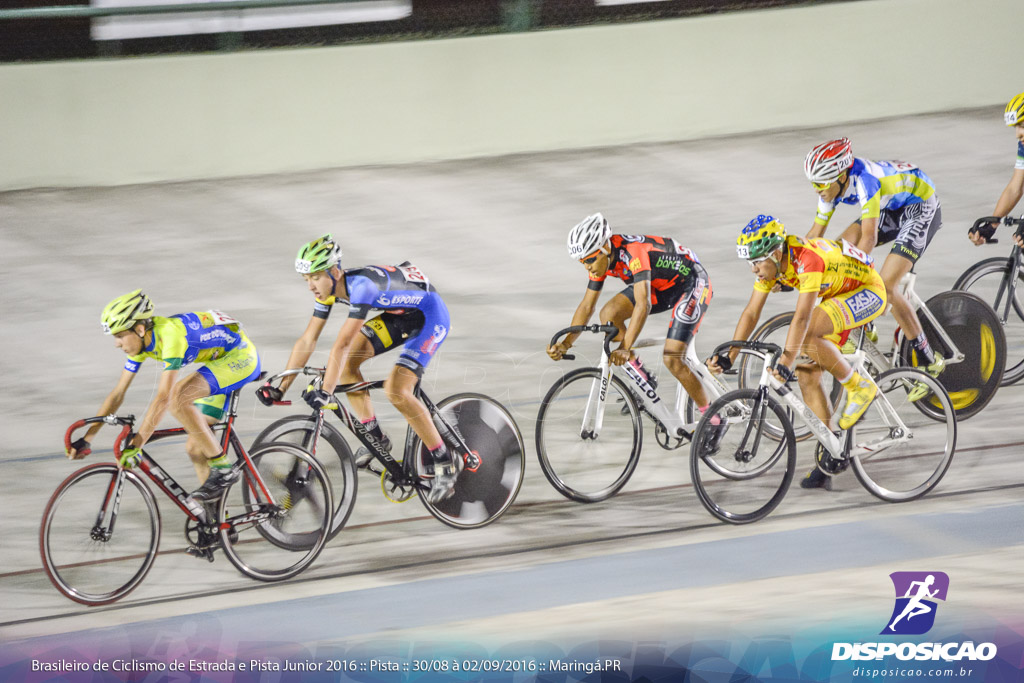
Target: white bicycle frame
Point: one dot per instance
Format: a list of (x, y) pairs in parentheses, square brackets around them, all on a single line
[(898, 431), (672, 419)]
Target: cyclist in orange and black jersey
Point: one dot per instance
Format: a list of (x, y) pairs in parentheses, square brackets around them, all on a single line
[(659, 275)]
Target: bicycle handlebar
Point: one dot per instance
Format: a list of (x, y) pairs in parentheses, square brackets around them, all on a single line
[(609, 333), (770, 350), (126, 422), (988, 220), (308, 371)]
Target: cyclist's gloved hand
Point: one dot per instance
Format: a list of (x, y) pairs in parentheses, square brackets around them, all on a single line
[(317, 398), (784, 372), (723, 361), (1018, 236), (130, 457), (269, 395), (985, 231), (81, 448)]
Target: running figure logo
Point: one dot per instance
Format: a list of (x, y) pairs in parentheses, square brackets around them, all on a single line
[(916, 593)]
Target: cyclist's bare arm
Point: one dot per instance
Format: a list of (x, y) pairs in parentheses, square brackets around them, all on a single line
[(580, 317), (1011, 194), (110, 405), (157, 408), (744, 326), (339, 352), (817, 230), (798, 328), (641, 309), (303, 349)]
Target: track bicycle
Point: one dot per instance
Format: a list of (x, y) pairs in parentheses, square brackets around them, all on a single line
[(589, 432), (897, 453), (479, 432), (101, 528), (999, 281), (959, 325)]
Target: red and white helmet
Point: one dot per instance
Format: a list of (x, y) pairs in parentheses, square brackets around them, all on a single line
[(827, 161)]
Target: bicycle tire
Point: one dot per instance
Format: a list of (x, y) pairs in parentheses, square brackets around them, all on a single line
[(986, 277), (749, 371), (266, 538), (333, 452), (884, 472), (585, 475), (974, 328), (69, 527), (483, 495), (719, 463)]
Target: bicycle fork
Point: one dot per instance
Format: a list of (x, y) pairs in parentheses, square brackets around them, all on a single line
[(108, 509)]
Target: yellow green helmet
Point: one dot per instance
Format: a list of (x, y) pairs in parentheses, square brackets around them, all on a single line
[(1014, 113), (760, 237), (320, 254), (125, 311)]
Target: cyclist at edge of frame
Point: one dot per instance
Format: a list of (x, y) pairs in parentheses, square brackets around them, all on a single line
[(1014, 190), (852, 294), (660, 275), (228, 361), (414, 315), (898, 204)]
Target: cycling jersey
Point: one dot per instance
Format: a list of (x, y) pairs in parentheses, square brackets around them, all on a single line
[(879, 186), (414, 311), (210, 338), (1020, 155), (659, 260)]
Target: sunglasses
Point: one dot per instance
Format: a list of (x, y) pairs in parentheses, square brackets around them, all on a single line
[(590, 259), (821, 186), (759, 260)]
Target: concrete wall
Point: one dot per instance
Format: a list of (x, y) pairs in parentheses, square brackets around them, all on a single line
[(101, 122)]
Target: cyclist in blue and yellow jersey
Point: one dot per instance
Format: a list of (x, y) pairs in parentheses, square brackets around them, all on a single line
[(211, 339), (660, 275), (413, 316), (851, 294), (897, 203), (1014, 190)]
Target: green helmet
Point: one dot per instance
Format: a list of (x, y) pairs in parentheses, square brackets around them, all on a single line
[(320, 254), (125, 311), (760, 237)]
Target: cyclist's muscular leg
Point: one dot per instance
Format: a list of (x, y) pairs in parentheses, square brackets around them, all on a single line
[(809, 375), (201, 442), (893, 270), (672, 356), (400, 387), (827, 356), (360, 352), (617, 312)]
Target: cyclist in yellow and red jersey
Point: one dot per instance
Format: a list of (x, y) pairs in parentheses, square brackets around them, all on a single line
[(1014, 190), (898, 204), (851, 294), (209, 338), (660, 275)]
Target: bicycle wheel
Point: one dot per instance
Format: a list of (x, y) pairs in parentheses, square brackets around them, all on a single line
[(485, 491), (973, 326), (774, 331), (742, 468), (332, 452), (989, 279), (273, 526), (897, 466), (99, 535), (581, 465)]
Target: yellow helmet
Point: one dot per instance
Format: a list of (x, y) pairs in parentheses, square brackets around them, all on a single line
[(760, 237), (125, 311), (1014, 113)]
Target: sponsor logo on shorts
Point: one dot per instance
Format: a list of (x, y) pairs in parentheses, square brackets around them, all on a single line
[(430, 345), (864, 304)]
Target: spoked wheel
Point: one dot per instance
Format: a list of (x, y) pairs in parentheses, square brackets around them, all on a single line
[(584, 464), (898, 452), (774, 331), (273, 526), (99, 535), (332, 452), (990, 280), (974, 328), (742, 467), (493, 470)]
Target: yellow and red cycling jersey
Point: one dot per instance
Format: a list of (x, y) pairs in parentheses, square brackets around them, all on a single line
[(825, 267)]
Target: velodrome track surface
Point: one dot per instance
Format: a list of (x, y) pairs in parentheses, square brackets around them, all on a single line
[(649, 564)]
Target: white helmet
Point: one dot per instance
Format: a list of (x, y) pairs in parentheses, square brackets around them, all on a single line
[(588, 236), (827, 161)]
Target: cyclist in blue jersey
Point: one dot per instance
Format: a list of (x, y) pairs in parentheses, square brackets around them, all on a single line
[(413, 316), (898, 204), (209, 338), (1014, 190)]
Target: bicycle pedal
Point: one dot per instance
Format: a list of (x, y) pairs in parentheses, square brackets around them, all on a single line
[(200, 553)]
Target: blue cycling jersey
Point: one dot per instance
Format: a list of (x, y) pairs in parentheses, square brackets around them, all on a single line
[(880, 186), (1020, 155), (387, 288)]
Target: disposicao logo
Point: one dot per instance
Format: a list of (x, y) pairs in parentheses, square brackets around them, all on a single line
[(916, 595)]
